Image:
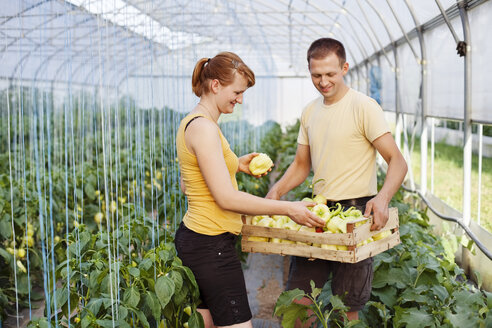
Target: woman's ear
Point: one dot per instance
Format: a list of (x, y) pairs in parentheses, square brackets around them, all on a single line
[(214, 85)]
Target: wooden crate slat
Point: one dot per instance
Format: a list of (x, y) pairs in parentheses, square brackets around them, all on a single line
[(297, 250), (302, 236), (377, 246)]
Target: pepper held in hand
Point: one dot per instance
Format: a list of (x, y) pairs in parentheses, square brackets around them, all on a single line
[(260, 164)]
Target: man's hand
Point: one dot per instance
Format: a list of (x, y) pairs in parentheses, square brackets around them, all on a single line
[(378, 207), (273, 194)]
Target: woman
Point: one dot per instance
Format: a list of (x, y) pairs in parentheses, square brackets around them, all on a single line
[(206, 238)]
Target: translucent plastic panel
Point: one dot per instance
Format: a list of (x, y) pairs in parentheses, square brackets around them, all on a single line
[(445, 73), (409, 77), (403, 14), (481, 67), (388, 83), (426, 10)]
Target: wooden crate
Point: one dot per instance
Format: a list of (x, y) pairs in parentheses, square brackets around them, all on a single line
[(353, 236)]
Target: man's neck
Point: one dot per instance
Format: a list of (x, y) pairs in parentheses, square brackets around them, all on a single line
[(336, 98)]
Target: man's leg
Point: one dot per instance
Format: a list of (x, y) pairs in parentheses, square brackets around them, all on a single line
[(353, 283), (301, 272)]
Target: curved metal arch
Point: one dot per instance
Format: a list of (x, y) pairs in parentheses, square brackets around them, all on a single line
[(47, 59), (79, 67), (375, 35), (273, 11), (282, 2), (28, 54), (289, 5), (342, 8), (362, 50), (227, 3), (89, 18), (84, 62), (37, 46), (265, 38), (311, 29), (403, 32), (24, 11)]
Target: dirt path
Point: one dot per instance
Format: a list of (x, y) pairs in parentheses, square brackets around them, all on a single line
[(265, 277)]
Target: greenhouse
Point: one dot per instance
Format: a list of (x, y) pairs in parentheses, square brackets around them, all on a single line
[(94, 182)]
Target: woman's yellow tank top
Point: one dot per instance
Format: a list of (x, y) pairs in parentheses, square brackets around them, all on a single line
[(204, 215)]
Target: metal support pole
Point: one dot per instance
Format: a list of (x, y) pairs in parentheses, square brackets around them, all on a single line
[(423, 100), (467, 135), (397, 102), (479, 191)]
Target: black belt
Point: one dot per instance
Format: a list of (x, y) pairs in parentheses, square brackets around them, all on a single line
[(358, 202)]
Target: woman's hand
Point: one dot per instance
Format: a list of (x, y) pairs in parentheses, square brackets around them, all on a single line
[(300, 213), (244, 164)]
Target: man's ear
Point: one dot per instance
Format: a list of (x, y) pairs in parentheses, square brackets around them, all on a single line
[(345, 68), (214, 85)]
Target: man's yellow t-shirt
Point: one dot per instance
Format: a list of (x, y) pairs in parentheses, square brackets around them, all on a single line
[(340, 138)]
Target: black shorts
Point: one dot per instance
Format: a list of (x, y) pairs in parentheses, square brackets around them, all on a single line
[(217, 269), (351, 281)]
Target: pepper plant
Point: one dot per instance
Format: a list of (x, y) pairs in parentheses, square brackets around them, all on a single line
[(130, 283), (416, 284)]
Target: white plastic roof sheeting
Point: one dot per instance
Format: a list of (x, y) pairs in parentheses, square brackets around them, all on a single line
[(116, 43)]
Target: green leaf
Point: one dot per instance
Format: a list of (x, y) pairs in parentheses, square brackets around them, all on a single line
[(180, 293), (338, 304), (292, 313), (415, 295), (94, 305), (90, 191), (131, 296), (189, 277), (143, 319), (441, 292), (145, 264), (287, 297), (134, 271), (413, 318), (122, 312), (61, 296), (397, 277), (85, 322), (387, 295), (164, 289), (289, 310), (465, 299), (152, 302), (196, 320), (314, 291), (6, 255), (463, 319), (488, 296), (106, 323), (5, 227)]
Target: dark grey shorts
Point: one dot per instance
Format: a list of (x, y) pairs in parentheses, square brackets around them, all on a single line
[(217, 269), (351, 281)]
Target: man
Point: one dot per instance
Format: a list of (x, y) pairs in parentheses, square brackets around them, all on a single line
[(339, 135)]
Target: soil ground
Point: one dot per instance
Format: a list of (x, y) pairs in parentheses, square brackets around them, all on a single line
[(265, 281)]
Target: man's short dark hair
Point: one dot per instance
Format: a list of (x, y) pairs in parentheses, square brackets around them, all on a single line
[(325, 46)]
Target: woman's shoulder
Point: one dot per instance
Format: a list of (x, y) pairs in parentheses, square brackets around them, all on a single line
[(202, 131)]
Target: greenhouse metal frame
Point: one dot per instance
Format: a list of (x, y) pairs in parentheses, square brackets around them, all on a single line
[(107, 81)]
